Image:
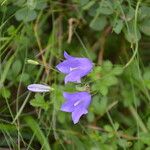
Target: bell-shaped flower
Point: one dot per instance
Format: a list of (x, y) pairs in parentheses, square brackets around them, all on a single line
[(75, 68), (76, 103), (39, 88)]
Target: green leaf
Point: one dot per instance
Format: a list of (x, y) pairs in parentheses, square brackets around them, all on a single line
[(39, 102), (5, 93), (41, 4), (118, 26), (103, 105), (145, 27), (123, 143), (19, 3), (37, 4), (105, 7), (93, 10), (77, 143), (130, 14), (6, 70), (16, 67), (117, 70), (99, 104), (110, 80), (148, 123), (130, 34), (25, 14), (138, 145), (61, 117), (98, 23), (88, 5), (34, 125), (8, 127), (116, 126), (104, 76), (11, 30), (146, 77), (108, 128), (103, 89), (24, 77), (107, 65), (90, 116), (145, 138), (132, 71), (95, 104), (83, 2), (129, 98), (144, 12), (31, 4)]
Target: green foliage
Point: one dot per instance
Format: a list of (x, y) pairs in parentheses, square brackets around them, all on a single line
[(16, 67), (99, 105), (146, 77), (29, 13), (118, 26), (33, 37), (5, 93), (145, 138), (25, 14), (130, 34), (105, 7), (88, 5), (7, 127), (98, 23), (144, 27), (39, 101), (105, 76), (38, 133), (121, 17), (129, 97)]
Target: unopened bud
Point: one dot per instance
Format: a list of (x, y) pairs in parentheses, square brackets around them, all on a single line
[(33, 62)]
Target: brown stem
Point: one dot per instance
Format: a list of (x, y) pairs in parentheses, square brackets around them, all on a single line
[(39, 42), (102, 41), (73, 22)]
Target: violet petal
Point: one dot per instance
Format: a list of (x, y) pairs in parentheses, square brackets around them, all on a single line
[(38, 88), (74, 76), (67, 66), (77, 103), (81, 66), (67, 56), (77, 114)]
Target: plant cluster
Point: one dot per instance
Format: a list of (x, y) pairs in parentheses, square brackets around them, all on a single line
[(113, 85)]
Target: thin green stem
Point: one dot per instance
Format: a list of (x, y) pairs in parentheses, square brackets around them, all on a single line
[(136, 38), (138, 119)]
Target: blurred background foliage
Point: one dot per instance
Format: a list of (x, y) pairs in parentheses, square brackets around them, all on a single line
[(114, 34)]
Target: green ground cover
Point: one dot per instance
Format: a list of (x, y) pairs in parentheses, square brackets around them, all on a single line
[(114, 34)]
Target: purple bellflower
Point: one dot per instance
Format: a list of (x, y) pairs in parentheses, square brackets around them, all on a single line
[(38, 88), (76, 103), (75, 68)]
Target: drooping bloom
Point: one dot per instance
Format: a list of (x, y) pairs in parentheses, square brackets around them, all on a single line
[(38, 88), (77, 103), (75, 68)]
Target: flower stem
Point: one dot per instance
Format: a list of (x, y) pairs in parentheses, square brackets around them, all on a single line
[(138, 119)]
